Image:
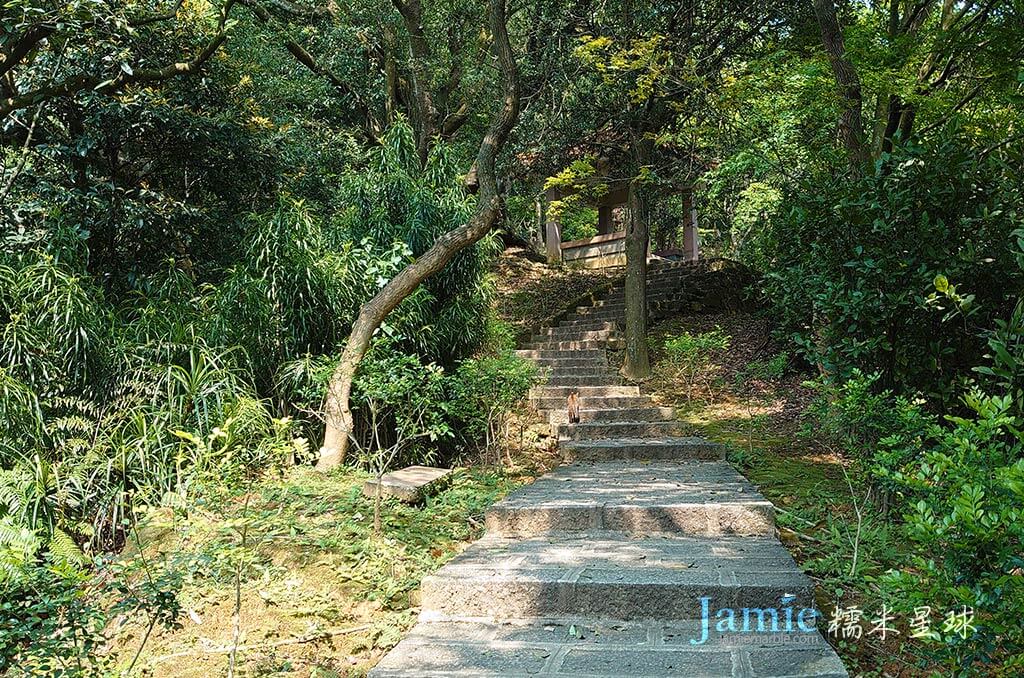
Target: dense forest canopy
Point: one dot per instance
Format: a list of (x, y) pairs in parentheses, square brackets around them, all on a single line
[(197, 198)]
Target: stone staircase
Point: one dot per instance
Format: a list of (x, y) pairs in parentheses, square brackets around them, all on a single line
[(609, 565)]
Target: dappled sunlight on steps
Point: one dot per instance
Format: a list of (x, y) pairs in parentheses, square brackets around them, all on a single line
[(608, 565)]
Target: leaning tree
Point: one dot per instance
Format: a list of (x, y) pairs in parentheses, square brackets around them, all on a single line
[(338, 415)]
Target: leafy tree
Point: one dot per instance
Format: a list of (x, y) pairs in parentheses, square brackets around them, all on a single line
[(486, 214)]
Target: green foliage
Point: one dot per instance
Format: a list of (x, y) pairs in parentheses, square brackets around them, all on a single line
[(689, 353), (484, 391), (578, 222), (688, 348), (1006, 367), (418, 413), (769, 369), (147, 391), (689, 358), (852, 264), (50, 626), (580, 186), (392, 200), (855, 416), (404, 402), (966, 520)]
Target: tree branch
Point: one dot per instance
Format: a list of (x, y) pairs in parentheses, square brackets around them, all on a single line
[(156, 18), (33, 35), (303, 56), (336, 404), (79, 83)]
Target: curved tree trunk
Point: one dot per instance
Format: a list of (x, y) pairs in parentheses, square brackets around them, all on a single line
[(336, 403)]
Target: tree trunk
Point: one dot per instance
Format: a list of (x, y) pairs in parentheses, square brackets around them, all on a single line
[(637, 364), (338, 416), (851, 120), (425, 119)]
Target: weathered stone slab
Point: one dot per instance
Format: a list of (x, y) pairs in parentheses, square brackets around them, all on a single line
[(585, 392), (558, 402), (604, 574), (605, 648), (599, 569), (410, 484), (651, 413), (623, 429), (642, 449)]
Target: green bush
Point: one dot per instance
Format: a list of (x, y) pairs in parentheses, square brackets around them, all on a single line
[(687, 356), (855, 416), (579, 222), (484, 391), (851, 266), (49, 626), (966, 520)]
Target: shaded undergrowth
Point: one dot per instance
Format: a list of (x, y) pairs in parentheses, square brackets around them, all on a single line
[(747, 393)]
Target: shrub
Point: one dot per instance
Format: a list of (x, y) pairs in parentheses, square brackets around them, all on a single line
[(855, 416), (484, 391), (853, 262), (687, 356), (967, 522), (49, 626)]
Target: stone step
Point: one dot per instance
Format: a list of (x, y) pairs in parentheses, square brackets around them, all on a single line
[(597, 430), (652, 413), (642, 449), (557, 403), (572, 363), (605, 648), (585, 392), (602, 331), (600, 574), (604, 315), (619, 297), (598, 379), (653, 297), (698, 498), (592, 354), (568, 323), (571, 345), (569, 370), (569, 335)]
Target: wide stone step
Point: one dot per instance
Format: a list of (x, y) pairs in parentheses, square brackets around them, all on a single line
[(595, 336), (618, 414), (622, 429), (642, 449), (602, 331), (606, 648), (591, 354), (569, 370), (620, 299), (568, 363), (571, 323), (558, 403), (598, 379), (640, 500), (573, 345), (585, 392), (605, 315), (598, 574)]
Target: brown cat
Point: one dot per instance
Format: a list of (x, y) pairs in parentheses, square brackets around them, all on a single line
[(573, 406)]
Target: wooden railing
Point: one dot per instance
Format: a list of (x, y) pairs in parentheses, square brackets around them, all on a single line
[(601, 251)]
